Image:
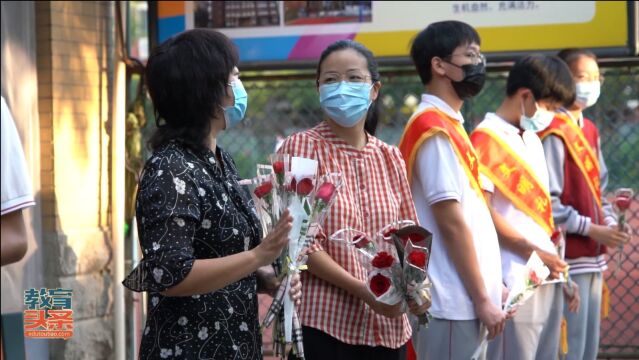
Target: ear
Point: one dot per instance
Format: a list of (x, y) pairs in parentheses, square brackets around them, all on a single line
[(524, 93), (437, 66), (375, 90)]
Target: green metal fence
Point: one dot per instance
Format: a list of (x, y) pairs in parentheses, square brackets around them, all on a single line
[(283, 104)]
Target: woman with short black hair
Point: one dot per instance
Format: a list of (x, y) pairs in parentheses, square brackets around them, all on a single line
[(204, 256)]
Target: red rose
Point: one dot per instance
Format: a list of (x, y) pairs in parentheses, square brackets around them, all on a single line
[(622, 202), (278, 167), (263, 189), (383, 260), (325, 192), (360, 241), (414, 237), (417, 258), (389, 232), (305, 186), (534, 278), (379, 284)]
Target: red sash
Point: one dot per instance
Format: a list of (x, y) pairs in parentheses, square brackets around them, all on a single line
[(430, 122), (579, 149), (513, 177)]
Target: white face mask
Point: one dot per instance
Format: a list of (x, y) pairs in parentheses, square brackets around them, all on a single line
[(587, 93), (539, 121)]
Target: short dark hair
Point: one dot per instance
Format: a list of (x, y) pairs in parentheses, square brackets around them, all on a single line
[(372, 115), (187, 78), (547, 77), (439, 39), (573, 54)]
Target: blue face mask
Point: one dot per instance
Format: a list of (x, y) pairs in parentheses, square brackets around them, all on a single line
[(540, 120), (233, 115), (345, 103)]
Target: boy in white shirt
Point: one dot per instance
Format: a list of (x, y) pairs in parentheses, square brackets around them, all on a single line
[(443, 171), (515, 180)]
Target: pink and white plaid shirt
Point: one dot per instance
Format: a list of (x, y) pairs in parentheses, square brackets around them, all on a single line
[(375, 193)]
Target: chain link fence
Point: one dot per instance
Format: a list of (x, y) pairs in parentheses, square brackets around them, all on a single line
[(284, 104), (279, 107)]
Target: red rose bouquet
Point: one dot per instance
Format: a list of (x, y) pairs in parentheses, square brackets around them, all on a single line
[(558, 238), (416, 242), (262, 191), (387, 231), (623, 198), (281, 165), (396, 261), (415, 273), (294, 185), (379, 284), (385, 269), (530, 277)]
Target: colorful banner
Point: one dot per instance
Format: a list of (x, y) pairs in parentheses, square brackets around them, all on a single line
[(300, 30)]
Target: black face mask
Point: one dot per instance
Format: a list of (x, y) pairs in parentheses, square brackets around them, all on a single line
[(473, 82)]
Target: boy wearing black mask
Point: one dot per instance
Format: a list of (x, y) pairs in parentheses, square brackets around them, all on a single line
[(444, 174)]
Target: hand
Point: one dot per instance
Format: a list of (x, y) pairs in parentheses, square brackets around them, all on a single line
[(296, 289), (492, 317), (572, 296), (417, 309), (628, 230), (553, 262), (504, 296), (271, 246), (610, 237), (390, 311)]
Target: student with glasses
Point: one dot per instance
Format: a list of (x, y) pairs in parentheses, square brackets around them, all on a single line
[(443, 170)]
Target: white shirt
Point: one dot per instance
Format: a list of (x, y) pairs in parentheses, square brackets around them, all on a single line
[(16, 184), (438, 175), (528, 147)]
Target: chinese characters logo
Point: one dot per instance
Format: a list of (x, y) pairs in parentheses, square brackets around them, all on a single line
[(48, 313)]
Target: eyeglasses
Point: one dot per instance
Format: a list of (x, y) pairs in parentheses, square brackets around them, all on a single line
[(587, 77), (475, 57), (350, 76)]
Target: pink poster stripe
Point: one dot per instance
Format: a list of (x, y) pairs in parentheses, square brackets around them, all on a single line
[(310, 47)]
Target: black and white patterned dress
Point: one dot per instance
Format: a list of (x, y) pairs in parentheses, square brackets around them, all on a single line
[(188, 208)]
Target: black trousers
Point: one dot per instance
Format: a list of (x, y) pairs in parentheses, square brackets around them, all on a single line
[(318, 345)]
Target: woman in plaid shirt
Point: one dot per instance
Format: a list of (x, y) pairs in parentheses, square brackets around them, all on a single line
[(341, 319)]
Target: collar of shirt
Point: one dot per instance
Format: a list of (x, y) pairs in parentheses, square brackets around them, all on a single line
[(579, 121), (434, 101), (498, 122), (325, 131)]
